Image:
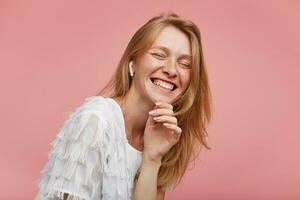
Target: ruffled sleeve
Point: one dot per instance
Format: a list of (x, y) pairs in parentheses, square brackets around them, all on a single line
[(75, 162)]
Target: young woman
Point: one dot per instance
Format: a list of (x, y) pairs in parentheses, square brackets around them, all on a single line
[(136, 142)]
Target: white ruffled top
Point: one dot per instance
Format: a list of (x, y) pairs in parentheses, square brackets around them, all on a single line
[(90, 157)]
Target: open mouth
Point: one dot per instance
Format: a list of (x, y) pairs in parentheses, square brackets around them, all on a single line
[(164, 85)]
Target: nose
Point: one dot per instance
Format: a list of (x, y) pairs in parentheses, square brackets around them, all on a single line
[(170, 68)]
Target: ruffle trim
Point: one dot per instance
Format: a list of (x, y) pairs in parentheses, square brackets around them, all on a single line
[(56, 194), (86, 160)]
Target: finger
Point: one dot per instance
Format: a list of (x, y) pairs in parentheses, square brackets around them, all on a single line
[(164, 105), (150, 120), (166, 119), (161, 111), (174, 127)]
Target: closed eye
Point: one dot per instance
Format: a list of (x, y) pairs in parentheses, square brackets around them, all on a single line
[(158, 55), (186, 65)]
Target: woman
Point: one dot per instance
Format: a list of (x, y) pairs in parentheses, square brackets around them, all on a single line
[(138, 141)]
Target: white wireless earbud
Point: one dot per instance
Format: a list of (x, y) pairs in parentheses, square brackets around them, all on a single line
[(130, 68)]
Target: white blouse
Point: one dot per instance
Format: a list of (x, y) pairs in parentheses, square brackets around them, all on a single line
[(90, 157)]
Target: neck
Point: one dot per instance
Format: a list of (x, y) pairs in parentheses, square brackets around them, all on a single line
[(135, 112)]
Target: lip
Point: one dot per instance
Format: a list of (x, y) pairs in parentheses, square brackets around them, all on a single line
[(167, 81), (163, 89)]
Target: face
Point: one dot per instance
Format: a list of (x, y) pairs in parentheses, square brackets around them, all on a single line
[(163, 72)]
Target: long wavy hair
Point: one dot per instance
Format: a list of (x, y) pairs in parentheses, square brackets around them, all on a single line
[(192, 108)]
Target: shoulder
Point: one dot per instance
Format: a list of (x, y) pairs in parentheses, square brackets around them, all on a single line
[(95, 112), (86, 128), (104, 108), (88, 120), (97, 104), (98, 121), (97, 107)]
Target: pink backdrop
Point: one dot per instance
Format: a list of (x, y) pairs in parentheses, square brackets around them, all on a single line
[(53, 54)]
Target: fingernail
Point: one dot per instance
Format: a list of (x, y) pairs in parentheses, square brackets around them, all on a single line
[(158, 103), (152, 112), (167, 124)]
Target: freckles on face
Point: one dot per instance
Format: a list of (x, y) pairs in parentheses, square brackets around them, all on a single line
[(167, 60), (180, 75)]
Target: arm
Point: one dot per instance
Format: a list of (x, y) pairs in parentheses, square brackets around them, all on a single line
[(146, 187), (160, 195), (160, 135), (74, 146), (66, 196)]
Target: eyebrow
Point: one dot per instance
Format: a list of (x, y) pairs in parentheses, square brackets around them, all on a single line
[(167, 50)]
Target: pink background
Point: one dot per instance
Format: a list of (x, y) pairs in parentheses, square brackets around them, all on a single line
[(53, 54)]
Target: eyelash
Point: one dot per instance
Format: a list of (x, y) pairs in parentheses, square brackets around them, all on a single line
[(159, 54), (162, 56), (187, 65)]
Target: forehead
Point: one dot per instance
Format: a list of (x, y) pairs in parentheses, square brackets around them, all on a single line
[(174, 40)]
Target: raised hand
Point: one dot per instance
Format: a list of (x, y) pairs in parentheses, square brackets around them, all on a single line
[(161, 131)]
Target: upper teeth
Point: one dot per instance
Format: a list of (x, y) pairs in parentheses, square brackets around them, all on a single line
[(163, 84)]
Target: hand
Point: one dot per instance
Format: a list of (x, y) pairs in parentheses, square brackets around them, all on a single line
[(161, 131)]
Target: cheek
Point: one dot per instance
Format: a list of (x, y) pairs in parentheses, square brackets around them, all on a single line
[(151, 67), (153, 62), (147, 65), (185, 78)]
